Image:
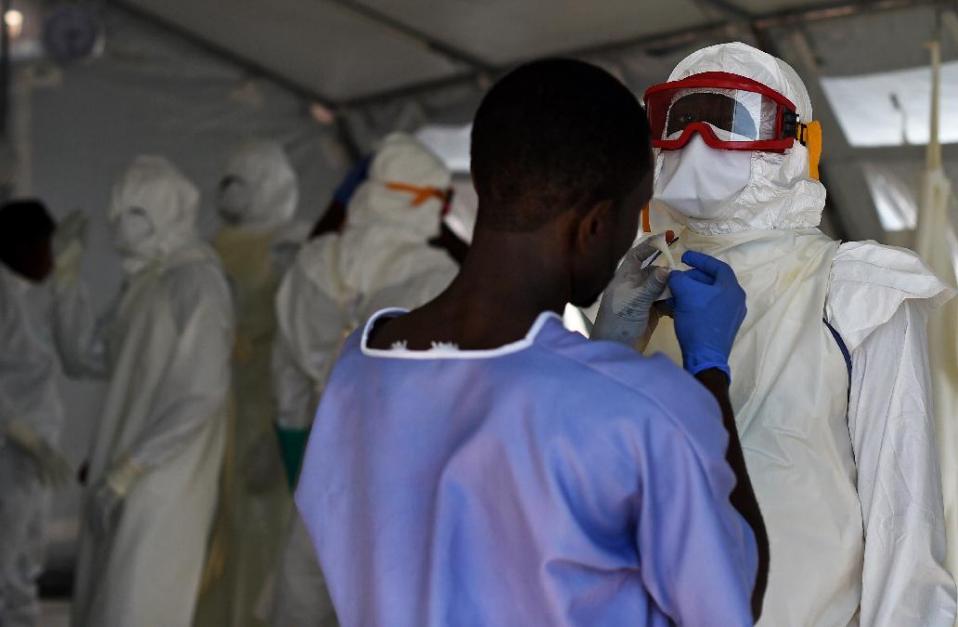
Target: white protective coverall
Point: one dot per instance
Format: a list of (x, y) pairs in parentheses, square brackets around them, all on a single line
[(337, 282), (157, 450), (29, 397), (258, 197), (842, 455)]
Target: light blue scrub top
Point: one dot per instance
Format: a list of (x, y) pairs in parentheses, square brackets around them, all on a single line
[(553, 481)]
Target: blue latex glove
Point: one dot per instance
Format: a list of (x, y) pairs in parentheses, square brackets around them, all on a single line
[(708, 306)]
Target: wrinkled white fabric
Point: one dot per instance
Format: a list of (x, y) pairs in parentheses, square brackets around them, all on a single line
[(131, 230), (700, 182), (156, 190), (879, 301), (399, 159), (300, 599), (779, 194), (338, 280), (29, 395), (165, 349), (24, 503), (937, 243), (791, 421), (255, 500), (28, 366), (262, 189), (381, 259), (166, 353), (849, 491)]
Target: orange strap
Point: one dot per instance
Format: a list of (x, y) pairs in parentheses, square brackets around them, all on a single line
[(420, 194), (811, 137), (646, 219)]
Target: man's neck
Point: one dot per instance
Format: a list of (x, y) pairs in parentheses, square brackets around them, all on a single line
[(507, 280)]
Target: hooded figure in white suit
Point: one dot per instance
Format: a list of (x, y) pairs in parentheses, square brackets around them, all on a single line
[(157, 449), (31, 412), (381, 259), (257, 199), (830, 380)]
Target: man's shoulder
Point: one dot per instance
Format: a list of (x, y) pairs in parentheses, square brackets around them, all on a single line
[(860, 256), (869, 282), (653, 386)]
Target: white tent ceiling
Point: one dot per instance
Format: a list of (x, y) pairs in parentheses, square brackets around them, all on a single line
[(342, 50)]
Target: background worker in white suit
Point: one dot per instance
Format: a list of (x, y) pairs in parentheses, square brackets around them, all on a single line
[(157, 450)]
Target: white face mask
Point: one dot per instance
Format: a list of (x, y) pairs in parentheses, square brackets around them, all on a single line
[(131, 230), (233, 199), (698, 181)]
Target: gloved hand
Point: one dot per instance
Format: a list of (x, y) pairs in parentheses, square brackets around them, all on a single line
[(108, 495), (292, 446), (72, 228), (69, 241), (626, 308), (708, 306), (52, 467)]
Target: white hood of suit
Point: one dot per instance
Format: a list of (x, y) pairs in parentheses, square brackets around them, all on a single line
[(400, 159), (264, 191), (165, 202), (779, 193)]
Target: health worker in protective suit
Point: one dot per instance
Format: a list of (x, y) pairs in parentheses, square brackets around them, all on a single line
[(158, 447), (830, 380), (257, 199), (31, 414), (381, 259)]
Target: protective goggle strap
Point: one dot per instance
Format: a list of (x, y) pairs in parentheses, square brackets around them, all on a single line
[(420, 194), (810, 135)]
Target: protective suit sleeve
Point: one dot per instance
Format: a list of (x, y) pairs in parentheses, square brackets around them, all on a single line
[(195, 386), (892, 427), (702, 571), (78, 334), (311, 327), (28, 372)]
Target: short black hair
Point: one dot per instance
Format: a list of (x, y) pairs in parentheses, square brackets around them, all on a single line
[(553, 135), (23, 222)]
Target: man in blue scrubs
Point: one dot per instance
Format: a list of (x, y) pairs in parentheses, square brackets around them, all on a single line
[(474, 463)]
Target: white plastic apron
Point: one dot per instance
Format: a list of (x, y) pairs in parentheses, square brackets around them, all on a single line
[(255, 501), (790, 395)]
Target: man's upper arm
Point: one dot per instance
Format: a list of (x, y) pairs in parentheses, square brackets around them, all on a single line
[(697, 554)]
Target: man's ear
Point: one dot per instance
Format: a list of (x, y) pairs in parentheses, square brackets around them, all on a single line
[(596, 224)]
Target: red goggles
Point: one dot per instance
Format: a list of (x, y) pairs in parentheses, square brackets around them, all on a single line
[(728, 111)]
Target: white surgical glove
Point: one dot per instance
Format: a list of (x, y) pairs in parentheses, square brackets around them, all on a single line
[(69, 242), (52, 467), (626, 310), (108, 495)]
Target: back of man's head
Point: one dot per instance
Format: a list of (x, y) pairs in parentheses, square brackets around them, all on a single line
[(555, 135), (25, 231)]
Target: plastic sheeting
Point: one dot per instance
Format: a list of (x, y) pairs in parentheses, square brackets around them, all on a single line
[(938, 245), (891, 108)]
